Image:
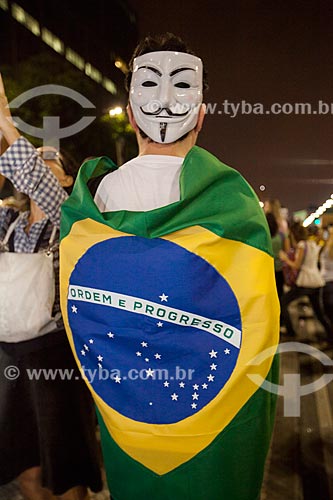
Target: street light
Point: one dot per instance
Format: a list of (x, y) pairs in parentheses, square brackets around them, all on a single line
[(120, 64), (116, 111)]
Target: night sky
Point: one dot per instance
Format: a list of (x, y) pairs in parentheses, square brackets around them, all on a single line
[(264, 52), (259, 52)]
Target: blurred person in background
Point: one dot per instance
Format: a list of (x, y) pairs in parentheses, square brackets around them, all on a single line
[(326, 267), (273, 206), (47, 425), (309, 281), (278, 243), (316, 234)]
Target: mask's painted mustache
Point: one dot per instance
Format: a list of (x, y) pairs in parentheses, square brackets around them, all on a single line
[(159, 110)]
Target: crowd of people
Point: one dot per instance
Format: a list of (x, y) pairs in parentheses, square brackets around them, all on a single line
[(303, 261)]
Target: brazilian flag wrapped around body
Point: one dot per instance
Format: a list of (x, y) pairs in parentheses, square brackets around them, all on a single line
[(165, 311)]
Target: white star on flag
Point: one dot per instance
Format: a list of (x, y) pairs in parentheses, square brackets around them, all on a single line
[(213, 354), (147, 360), (157, 356), (111, 335), (91, 341), (213, 366), (166, 384), (144, 344), (174, 397), (159, 324), (99, 364), (195, 387), (150, 372), (195, 395), (164, 298), (74, 309), (182, 384), (83, 352), (117, 379), (204, 386), (226, 351), (138, 353), (210, 378), (100, 358), (194, 405), (86, 347)]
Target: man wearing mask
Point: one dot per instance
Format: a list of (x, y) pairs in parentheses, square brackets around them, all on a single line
[(169, 296)]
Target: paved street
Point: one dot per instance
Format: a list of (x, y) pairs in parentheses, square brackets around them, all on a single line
[(300, 465)]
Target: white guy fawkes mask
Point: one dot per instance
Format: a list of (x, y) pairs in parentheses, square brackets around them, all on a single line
[(166, 94)]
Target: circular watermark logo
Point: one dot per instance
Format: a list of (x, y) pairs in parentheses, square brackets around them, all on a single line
[(292, 390), (51, 132), (11, 372)]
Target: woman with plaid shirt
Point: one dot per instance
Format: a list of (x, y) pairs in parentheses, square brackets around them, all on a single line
[(47, 427)]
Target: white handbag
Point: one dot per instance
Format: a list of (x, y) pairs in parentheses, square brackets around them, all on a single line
[(27, 292), (309, 275), (309, 278)]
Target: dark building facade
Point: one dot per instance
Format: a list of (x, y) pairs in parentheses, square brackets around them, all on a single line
[(96, 36), (83, 46)]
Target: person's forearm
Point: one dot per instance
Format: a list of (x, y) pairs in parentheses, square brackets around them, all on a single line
[(291, 263), (9, 131), (22, 165)]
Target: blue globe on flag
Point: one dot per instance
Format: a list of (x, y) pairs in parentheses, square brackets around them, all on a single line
[(157, 329)]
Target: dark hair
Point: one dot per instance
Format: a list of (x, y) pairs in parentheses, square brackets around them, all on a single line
[(162, 42), (156, 43), (298, 231), (70, 166), (272, 224)]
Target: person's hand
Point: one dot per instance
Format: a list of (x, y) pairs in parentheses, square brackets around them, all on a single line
[(283, 256)]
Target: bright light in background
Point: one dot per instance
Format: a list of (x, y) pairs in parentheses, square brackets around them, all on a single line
[(261, 204), (262, 187), (120, 64), (115, 111), (320, 210)]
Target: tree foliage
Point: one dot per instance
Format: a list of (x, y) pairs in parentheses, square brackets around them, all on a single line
[(99, 138)]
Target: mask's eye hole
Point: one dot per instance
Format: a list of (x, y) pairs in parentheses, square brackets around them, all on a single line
[(149, 83), (182, 85)]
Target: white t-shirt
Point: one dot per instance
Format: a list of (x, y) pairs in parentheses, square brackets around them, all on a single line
[(309, 274), (143, 183)]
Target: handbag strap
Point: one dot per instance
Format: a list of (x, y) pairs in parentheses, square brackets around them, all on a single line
[(51, 239), (10, 230), (12, 226), (53, 234)]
